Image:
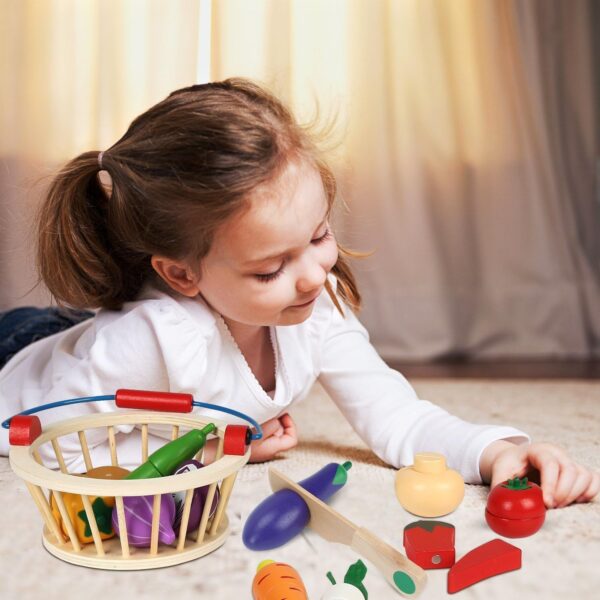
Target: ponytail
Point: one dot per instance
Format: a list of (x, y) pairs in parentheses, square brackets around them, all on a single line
[(75, 257)]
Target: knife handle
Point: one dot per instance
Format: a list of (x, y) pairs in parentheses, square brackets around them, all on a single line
[(405, 576)]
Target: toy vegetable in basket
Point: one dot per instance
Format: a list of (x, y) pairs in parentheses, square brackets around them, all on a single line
[(102, 507), (139, 510), (26, 437)]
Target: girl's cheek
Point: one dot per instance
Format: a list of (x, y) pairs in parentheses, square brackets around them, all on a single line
[(272, 293), (332, 254)]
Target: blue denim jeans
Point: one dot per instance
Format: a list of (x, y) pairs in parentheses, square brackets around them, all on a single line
[(20, 327)]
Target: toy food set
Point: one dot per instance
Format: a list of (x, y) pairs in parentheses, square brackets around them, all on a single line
[(277, 581), (352, 588), (139, 506), (404, 576), (489, 559), (430, 544), (428, 488), (515, 508), (171, 508), (283, 515)]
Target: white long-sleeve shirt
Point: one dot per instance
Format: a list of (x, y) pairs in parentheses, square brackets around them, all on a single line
[(160, 342)]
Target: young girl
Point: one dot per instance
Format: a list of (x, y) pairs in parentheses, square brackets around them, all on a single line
[(216, 272)]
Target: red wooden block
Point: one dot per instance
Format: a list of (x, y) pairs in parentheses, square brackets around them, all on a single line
[(430, 544), (23, 430), (237, 438), (151, 400), (489, 559)]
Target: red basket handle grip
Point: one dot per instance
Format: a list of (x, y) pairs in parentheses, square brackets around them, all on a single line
[(161, 401)]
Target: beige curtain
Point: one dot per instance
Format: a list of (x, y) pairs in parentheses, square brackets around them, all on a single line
[(463, 143), (73, 75), (468, 160)]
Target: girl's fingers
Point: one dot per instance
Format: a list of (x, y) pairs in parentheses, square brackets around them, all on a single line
[(271, 427), (288, 424), (566, 480), (289, 439), (549, 468), (581, 483), (592, 490), (279, 434), (499, 475), (557, 451), (509, 463), (276, 443)]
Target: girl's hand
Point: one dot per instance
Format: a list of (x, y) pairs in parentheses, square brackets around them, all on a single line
[(278, 434), (562, 480)]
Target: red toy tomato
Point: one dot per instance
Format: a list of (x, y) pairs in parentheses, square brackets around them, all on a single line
[(515, 508)]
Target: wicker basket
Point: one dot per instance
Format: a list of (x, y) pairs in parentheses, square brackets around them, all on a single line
[(117, 553)]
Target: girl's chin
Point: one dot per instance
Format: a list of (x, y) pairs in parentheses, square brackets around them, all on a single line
[(292, 315), (295, 316)]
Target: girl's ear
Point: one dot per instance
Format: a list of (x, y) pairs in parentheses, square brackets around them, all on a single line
[(177, 275)]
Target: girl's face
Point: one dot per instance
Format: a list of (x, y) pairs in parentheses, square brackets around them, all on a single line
[(269, 263)]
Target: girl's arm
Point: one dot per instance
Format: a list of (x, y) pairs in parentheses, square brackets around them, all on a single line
[(385, 411)]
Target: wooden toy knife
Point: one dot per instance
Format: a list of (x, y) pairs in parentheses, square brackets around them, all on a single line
[(407, 578)]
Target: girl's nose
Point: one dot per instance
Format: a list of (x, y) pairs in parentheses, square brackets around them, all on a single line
[(312, 276)]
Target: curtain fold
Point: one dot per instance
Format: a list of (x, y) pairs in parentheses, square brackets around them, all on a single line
[(73, 75), (464, 144)]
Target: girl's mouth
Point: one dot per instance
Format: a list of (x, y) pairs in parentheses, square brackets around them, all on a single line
[(305, 304)]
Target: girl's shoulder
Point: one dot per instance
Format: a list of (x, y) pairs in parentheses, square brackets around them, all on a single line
[(156, 313), (157, 302)]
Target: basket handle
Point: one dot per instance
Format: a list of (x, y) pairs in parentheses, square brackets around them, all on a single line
[(149, 400), (30, 428)]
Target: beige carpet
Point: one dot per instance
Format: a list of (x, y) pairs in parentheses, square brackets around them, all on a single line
[(561, 561)]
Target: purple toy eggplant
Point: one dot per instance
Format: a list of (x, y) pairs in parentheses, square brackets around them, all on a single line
[(138, 518), (198, 498), (284, 514)]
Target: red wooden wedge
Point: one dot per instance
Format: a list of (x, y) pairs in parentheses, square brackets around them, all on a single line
[(489, 559)]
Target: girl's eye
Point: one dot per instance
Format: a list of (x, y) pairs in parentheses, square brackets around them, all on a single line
[(324, 237), (265, 277)]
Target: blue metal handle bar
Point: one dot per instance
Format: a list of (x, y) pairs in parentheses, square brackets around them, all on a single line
[(235, 413), (230, 411)]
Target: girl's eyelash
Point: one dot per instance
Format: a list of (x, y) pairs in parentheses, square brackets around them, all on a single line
[(266, 277), (324, 237)]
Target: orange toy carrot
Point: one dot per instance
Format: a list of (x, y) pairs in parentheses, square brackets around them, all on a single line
[(274, 581)]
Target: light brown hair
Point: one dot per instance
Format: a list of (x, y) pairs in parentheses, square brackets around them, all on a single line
[(182, 169)]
